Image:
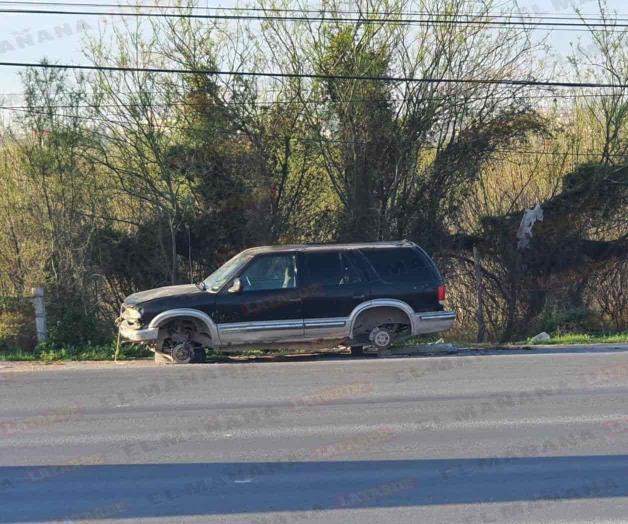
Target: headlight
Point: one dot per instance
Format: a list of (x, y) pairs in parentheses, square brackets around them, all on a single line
[(132, 314)]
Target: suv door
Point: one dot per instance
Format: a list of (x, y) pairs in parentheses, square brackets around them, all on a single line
[(332, 287), (267, 308)]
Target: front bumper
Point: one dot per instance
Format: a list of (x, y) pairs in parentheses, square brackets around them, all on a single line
[(138, 335), (432, 322)]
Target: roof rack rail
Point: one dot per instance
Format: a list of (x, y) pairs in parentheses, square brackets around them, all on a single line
[(332, 242)]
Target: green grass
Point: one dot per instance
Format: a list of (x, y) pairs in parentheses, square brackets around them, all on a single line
[(418, 340), (47, 353), (581, 338)]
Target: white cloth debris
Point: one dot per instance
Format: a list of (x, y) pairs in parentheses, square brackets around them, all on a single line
[(524, 234), (541, 337)]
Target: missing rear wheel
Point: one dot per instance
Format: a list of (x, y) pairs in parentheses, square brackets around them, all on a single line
[(381, 337)]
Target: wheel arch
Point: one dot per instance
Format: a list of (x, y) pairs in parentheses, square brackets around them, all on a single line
[(194, 314), (399, 305)]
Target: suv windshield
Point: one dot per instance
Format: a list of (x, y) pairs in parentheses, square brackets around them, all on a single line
[(221, 276)]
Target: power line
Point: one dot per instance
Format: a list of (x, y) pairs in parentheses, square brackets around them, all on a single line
[(319, 76), (539, 15), (525, 96), (583, 26)]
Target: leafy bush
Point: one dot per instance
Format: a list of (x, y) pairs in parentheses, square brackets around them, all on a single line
[(555, 320), (17, 324), (76, 328)]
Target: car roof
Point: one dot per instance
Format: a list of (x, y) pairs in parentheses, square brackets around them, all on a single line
[(328, 247)]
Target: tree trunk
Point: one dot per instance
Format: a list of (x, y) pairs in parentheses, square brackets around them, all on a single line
[(479, 290), (173, 246)]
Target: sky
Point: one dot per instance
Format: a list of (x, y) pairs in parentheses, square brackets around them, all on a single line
[(29, 38)]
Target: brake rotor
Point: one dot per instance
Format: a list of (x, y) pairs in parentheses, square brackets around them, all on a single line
[(182, 353), (380, 338)]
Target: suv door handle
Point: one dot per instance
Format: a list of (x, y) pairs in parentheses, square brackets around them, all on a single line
[(359, 297), (294, 300)]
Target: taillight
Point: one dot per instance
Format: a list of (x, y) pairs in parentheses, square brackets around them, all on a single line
[(442, 292)]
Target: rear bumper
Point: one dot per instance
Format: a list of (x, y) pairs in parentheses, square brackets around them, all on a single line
[(138, 335), (432, 322)]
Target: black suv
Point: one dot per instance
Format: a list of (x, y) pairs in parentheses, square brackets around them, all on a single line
[(359, 295)]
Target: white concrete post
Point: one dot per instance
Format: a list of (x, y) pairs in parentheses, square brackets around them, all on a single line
[(40, 314)]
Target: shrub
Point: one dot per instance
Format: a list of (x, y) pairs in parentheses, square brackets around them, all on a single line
[(76, 327), (17, 324), (556, 320)]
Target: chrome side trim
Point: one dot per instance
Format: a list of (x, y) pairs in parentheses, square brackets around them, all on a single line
[(163, 317), (260, 326), (437, 315), (325, 322), (326, 328), (382, 302), (433, 322), (264, 332)]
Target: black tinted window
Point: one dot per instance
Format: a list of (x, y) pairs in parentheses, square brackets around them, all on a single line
[(351, 273), (401, 265), (330, 268)]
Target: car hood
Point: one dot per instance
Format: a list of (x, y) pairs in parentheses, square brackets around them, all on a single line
[(163, 292)]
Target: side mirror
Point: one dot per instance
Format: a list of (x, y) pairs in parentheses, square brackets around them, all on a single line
[(236, 286)]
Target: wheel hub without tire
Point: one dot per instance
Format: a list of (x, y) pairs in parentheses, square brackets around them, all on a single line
[(182, 353), (380, 338)]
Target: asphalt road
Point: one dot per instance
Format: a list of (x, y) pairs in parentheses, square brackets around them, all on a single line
[(461, 439)]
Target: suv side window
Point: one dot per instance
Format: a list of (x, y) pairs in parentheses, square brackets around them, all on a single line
[(405, 265), (270, 272), (352, 274), (331, 268), (359, 264)]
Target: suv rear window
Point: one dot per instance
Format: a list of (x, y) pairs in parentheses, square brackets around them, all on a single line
[(402, 265)]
